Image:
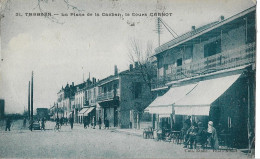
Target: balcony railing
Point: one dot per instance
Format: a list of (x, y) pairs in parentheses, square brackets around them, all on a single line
[(108, 95), (229, 59)]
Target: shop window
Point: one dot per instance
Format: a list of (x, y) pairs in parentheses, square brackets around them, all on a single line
[(212, 48)]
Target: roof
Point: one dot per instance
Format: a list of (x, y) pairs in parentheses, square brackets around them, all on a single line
[(201, 30)]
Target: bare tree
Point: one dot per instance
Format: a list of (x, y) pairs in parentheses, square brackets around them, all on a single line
[(147, 67)]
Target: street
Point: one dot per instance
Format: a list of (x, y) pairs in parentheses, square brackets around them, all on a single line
[(92, 143)]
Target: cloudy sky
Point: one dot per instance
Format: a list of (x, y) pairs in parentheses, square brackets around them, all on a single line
[(61, 51)]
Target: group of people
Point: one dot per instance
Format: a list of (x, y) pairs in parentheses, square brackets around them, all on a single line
[(194, 133), (64, 121), (86, 122)]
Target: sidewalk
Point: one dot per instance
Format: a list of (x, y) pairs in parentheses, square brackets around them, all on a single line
[(135, 132)]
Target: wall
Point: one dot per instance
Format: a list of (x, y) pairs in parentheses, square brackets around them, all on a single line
[(232, 105), (230, 39), (127, 100)]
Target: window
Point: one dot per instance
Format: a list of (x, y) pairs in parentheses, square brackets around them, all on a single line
[(179, 62), (212, 48), (137, 89)]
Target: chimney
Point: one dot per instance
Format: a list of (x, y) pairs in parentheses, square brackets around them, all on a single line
[(131, 67), (93, 80), (116, 70), (73, 84), (136, 65), (221, 18), (193, 28)]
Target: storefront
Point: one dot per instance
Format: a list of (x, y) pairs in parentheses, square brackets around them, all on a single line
[(221, 98)]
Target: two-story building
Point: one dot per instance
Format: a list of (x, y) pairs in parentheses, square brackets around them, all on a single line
[(209, 73), (122, 94)]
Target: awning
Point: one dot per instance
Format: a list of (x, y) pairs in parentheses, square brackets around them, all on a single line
[(164, 116), (83, 111), (163, 104), (88, 111), (199, 100)]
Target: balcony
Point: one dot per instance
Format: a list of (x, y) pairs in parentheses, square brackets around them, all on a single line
[(108, 96), (229, 59)]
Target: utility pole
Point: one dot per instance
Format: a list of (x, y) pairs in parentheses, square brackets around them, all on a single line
[(29, 105), (158, 30), (159, 23), (57, 110), (32, 101)]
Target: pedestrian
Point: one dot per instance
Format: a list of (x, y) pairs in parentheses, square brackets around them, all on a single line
[(94, 122), (85, 122), (71, 122), (43, 124), (61, 121), (191, 135), (186, 126), (24, 122), (66, 121), (106, 123), (212, 136), (201, 137), (8, 124), (99, 122), (58, 123)]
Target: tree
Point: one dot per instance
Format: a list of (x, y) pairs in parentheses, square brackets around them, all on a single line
[(147, 69), (144, 59)]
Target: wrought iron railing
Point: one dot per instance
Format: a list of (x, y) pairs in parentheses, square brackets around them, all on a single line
[(240, 56), (108, 95)]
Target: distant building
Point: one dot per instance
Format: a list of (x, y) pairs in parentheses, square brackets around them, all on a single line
[(2, 108), (65, 102)]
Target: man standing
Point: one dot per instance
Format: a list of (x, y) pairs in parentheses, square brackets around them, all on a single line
[(8, 124), (43, 124), (99, 122), (186, 126), (71, 122), (94, 122)]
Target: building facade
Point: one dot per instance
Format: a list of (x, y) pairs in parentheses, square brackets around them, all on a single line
[(209, 73), (122, 98)]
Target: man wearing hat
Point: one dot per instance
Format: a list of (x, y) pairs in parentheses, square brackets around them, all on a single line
[(212, 135)]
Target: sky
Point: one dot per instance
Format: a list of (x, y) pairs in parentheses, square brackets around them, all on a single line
[(67, 49)]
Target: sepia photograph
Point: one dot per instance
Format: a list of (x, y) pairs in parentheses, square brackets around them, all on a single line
[(128, 79)]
